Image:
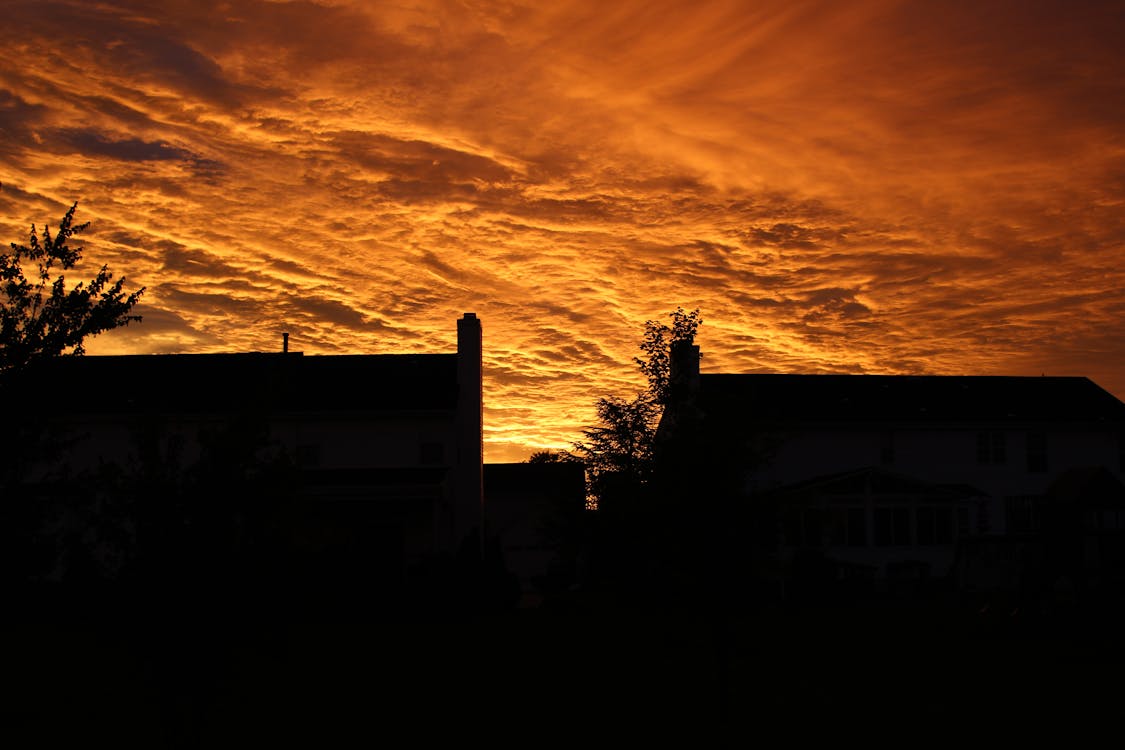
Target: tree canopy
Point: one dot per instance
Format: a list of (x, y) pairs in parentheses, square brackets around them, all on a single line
[(39, 316)]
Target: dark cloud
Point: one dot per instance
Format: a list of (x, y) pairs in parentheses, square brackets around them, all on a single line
[(417, 160), (193, 262), (794, 236), (333, 313), (96, 143), (18, 119)]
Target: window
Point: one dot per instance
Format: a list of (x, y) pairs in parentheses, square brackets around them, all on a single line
[(1036, 452), (943, 526), (934, 525), (791, 527), (887, 448), (962, 521), (857, 527), (847, 527), (813, 527), (925, 520), (991, 448), (1022, 513), (892, 527)]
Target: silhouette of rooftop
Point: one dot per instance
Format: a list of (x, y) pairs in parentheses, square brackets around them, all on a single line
[(205, 383), (928, 398)]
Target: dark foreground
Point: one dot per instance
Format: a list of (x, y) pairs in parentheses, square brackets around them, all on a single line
[(576, 666)]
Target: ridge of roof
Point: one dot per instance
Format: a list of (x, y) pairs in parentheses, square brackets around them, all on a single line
[(833, 397)]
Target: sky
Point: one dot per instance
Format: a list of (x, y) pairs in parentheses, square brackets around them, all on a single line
[(849, 187)]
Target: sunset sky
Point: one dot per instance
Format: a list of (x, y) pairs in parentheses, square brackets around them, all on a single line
[(867, 187)]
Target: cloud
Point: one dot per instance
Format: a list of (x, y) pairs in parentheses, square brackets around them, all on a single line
[(125, 149), (875, 187)]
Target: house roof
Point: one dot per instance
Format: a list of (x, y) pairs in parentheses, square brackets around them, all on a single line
[(205, 383), (927, 398)]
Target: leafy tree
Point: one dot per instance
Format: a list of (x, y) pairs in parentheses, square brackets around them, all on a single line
[(40, 317), (618, 451)]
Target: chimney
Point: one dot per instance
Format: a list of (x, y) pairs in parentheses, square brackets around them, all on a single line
[(683, 375), (469, 510), (285, 343)]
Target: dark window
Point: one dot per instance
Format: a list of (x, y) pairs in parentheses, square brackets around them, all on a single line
[(935, 525), (814, 527), (962, 521), (991, 448), (925, 519), (887, 448), (1036, 452), (892, 527), (943, 526), (838, 526), (431, 453), (857, 527), (791, 528), (984, 452), (1022, 513)]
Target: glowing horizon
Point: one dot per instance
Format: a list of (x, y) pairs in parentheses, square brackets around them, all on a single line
[(882, 187)]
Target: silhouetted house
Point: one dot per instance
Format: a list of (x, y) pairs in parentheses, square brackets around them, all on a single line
[(374, 462), (883, 476), (534, 514)]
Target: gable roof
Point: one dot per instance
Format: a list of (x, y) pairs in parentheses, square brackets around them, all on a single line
[(207, 383), (926, 398)]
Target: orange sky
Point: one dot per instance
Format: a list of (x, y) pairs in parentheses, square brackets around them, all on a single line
[(882, 187)]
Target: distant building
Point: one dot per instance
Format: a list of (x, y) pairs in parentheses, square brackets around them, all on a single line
[(384, 451), (886, 476)]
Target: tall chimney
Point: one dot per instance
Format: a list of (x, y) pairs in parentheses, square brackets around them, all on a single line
[(285, 343), (469, 509)]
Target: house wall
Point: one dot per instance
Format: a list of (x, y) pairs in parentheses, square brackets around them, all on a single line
[(943, 455)]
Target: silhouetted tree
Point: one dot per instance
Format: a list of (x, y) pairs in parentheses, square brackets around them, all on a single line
[(551, 457), (40, 317), (618, 450), (618, 453)]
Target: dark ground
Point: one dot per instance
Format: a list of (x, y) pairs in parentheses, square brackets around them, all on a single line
[(578, 665)]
